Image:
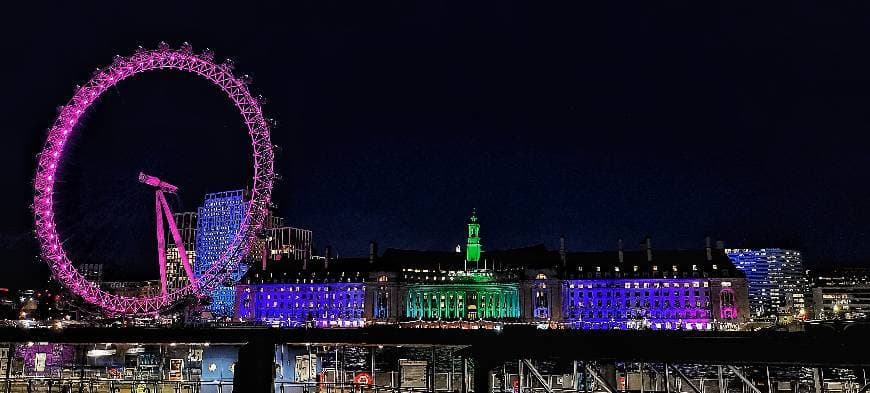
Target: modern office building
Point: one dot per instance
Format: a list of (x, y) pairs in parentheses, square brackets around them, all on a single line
[(218, 222), (841, 293), (778, 284), (473, 288), (132, 288), (175, 275), (841, 302), (93, 272), (282, 244), (841, 277)]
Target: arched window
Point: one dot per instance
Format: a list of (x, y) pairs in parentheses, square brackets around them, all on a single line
[(541, 276), (727, 304), (383, 278)]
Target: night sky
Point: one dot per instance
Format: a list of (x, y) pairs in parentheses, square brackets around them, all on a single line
[(745, 123)]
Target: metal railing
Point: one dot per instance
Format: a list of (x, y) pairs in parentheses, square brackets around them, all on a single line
[(314, 387), (94, 385)]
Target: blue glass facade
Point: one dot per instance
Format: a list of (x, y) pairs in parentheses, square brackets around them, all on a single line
[(777, 280), (219, 220)]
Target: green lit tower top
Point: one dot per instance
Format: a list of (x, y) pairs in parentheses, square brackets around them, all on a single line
[(472, 251)]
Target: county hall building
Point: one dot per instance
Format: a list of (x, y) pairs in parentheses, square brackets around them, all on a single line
[(474, 288)]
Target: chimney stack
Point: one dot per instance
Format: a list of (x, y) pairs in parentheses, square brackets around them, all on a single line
[(648, 245), (562, 251), (373, 251), (619, 250), (709, 250)]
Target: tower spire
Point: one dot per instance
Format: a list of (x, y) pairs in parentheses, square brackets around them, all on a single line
[(473, 248)]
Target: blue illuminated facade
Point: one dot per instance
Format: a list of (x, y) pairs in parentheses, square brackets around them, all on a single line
[(219, 220), (333, 304), (638, 304)]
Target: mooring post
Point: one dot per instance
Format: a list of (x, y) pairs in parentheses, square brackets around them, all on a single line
[(609, 371), (464, 374), (667, 378), (255, 369), (818, 380), (483, 369)]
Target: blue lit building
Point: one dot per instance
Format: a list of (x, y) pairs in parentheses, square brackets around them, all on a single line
[(778, 284), (218, 222), (315, 304), (647, 289), (639, 303)]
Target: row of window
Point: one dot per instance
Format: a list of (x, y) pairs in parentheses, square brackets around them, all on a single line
[(311, 296), (611, 314), (638, 303), (307, 316), (637, 293), (637, 284), (310, 305), (645, 274), (309, 288)]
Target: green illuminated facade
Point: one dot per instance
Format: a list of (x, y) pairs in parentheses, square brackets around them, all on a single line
[(473, 248), (470, 301), (470, 294)]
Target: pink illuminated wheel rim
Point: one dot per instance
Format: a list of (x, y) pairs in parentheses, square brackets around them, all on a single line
[(163, 58)]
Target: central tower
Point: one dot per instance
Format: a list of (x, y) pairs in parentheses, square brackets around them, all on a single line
[(472, 250)]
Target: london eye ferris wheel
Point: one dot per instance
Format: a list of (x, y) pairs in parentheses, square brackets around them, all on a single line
[(52, 246)]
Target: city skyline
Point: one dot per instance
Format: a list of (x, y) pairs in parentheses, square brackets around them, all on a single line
[(431, 197)]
